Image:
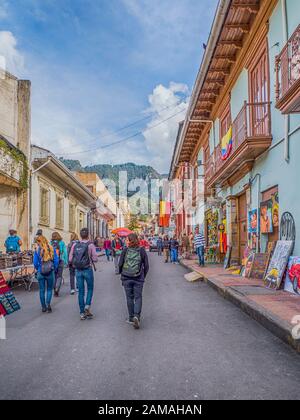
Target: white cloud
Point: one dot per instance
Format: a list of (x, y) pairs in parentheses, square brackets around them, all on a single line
[(160, 139), (14, 60)]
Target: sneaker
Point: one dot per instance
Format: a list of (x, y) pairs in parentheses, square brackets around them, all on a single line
[(82, 317), (129, 321), (136, 323), (88, 314), (44, 310), (49, 309), (72, 292)]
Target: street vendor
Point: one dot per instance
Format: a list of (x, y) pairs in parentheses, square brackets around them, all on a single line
[(13, 243)]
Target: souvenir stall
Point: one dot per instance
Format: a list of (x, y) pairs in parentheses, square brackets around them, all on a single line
[(8, 302), (212, 234), (18, 269)]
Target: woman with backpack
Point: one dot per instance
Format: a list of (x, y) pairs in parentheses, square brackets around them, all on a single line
[(61, 250), (74, 240), (133, 267), (45, 262)]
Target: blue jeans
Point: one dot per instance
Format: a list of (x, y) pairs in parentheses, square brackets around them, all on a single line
[(82, 277), (174, 255), (108, 254), (134, 296), (46, 283), (200, 253)]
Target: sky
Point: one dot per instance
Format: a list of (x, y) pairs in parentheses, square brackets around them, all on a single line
[(111, 79)]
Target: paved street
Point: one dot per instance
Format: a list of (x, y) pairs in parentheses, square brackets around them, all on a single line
[(192, 345)]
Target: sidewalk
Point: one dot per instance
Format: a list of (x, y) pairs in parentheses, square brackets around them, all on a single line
[(275, 310)]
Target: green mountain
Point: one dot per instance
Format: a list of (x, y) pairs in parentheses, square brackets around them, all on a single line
[(112, 171)]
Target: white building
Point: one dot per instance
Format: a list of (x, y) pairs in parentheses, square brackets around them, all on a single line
[(59, 201)]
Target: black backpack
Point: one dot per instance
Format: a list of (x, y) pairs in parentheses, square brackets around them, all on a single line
[(81, 259)]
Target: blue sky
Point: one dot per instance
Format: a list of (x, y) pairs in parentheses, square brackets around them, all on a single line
[(98, 65)]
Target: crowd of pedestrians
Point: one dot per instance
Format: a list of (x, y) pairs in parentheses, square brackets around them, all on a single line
[(130, 261)]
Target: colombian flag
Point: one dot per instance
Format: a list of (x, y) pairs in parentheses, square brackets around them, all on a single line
[(226, 144)]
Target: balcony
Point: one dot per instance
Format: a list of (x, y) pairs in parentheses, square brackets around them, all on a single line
[(251, 136), (288, 76)]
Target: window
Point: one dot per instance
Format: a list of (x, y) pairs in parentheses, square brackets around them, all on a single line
[(59, 212), (44, 205), (72, 217)]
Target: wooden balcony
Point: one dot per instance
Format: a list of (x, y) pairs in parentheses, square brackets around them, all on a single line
[(251, 136), (288, 76)]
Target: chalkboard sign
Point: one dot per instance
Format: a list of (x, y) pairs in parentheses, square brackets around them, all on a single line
[(278, 264), (227, 257), (259, 266)]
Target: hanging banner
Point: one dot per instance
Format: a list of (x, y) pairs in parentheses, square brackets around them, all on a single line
[(226, 144)]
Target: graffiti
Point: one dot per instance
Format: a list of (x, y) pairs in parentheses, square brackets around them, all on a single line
[(287, 227)]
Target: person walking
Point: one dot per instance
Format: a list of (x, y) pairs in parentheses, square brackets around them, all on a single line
[(133, 267), (107, 248), (166, 248), (60, 248), (83, 257), (45, 262), (174, 246), (117, 247), (159, 246), (13, 243), (73, 241), (199, 242)]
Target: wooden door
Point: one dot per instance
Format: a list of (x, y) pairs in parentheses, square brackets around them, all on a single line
[(243, 234)]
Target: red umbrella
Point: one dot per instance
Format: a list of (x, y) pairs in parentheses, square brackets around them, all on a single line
[(122, 231)]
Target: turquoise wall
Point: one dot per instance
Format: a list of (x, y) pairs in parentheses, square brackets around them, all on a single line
[(239, 94)]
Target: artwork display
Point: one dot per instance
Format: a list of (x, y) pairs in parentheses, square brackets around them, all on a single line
[(275, 210), (259, 265), (287, 227), (248, 265), (292, 278), (253, 221), (266, 223), (212, 219), (278, 264)]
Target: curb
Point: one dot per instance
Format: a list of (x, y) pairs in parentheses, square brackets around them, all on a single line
[(271, 322)]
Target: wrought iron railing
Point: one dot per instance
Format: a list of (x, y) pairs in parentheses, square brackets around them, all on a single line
[(288, 65), (253, 121)]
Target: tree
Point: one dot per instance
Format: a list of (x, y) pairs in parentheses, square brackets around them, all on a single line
[(134, 223)]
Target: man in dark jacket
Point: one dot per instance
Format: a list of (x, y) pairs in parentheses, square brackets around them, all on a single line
[(133, 267)]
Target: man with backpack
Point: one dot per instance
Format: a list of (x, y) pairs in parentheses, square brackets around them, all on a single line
[(13, 243), (133, 267), (83, 257)]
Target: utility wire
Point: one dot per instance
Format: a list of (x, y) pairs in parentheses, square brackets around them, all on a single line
[(131, 124), (126, 138)]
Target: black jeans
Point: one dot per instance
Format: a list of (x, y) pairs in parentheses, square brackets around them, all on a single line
[(59, 275), (134, 296)]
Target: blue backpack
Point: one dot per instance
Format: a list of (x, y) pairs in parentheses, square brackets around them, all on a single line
[(12, 244)]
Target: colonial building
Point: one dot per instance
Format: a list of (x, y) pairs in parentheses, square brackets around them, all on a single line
[(107, 204), (59, 201), (242, 125), (14, 156)]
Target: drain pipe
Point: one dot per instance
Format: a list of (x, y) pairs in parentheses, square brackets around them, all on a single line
[(286, 117)]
